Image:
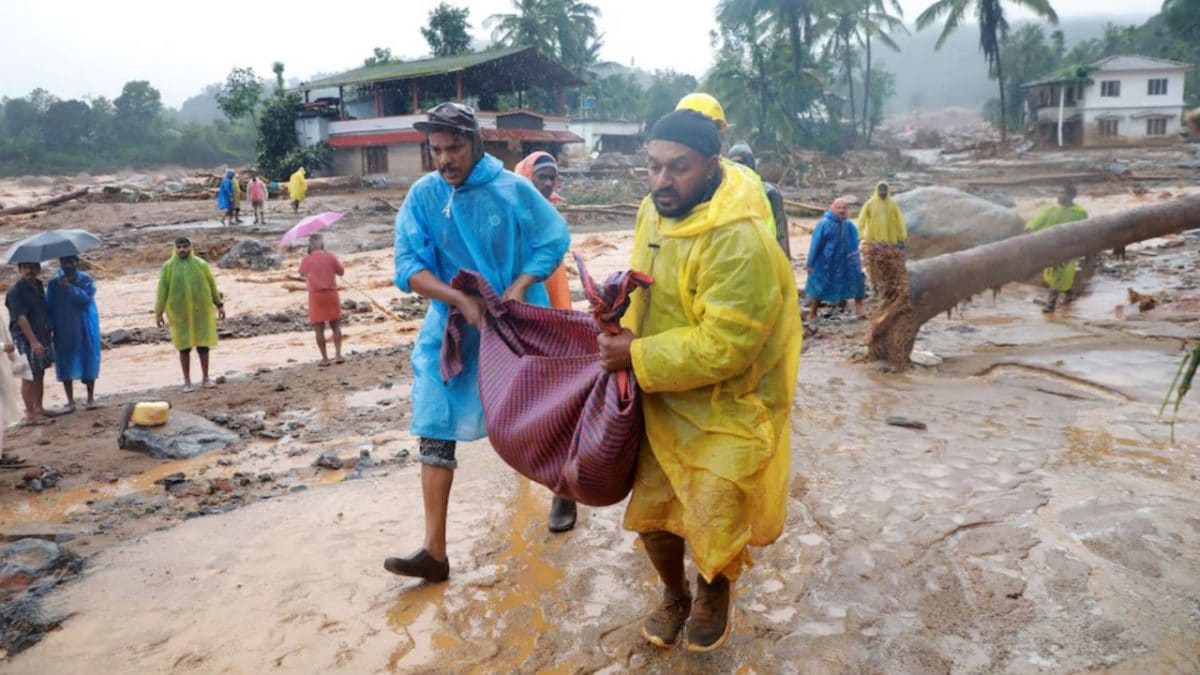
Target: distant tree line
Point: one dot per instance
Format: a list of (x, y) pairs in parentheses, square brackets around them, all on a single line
[(41, 133)]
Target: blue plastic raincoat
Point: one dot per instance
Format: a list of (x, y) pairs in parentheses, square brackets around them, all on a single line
[(495, 223), (76, 324), (225, 193), (835, 266)]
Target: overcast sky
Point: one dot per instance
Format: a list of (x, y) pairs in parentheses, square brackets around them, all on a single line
[(92, 47)]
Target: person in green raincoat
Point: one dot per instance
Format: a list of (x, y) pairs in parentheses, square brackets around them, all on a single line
[(1060, 278), (187, 293)]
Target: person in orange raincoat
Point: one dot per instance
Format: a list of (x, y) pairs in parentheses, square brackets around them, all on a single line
[(541, 169)]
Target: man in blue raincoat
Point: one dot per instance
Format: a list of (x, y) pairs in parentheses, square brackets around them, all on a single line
[(470, 214), (71, 299), (225, 198)]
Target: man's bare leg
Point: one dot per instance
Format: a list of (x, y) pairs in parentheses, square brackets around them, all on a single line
[(858, 308), (336, 325), (185, 363), (319, 331), (27, 397), (91, 392), (39, 394), (812, 311), (203, 354), (435, 489), (69, 390)]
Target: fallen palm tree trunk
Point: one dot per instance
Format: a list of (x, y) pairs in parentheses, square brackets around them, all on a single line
[(803, 208), (44, 204), (938, 284)]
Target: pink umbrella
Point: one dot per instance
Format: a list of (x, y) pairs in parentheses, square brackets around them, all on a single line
[(310, 225)]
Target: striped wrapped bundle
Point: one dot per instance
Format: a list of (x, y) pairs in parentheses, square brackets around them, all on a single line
[(552, 412)]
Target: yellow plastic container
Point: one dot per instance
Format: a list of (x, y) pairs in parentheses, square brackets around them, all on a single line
[(150, 413)]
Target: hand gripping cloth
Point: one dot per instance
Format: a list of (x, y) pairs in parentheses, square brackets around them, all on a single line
[(552, 413)]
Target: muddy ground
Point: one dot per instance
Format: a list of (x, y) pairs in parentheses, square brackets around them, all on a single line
[(1042, 523)]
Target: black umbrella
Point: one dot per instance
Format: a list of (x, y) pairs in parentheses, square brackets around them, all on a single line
[(50, 245)]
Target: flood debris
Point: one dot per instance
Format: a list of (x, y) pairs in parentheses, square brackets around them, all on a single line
[(185, 435), (250, 254), (905, 422)]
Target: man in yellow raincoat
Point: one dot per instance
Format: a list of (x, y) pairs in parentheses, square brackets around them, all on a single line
[(1060, 278), (297, 188), (714, 344), (187, 293), (884, 235)]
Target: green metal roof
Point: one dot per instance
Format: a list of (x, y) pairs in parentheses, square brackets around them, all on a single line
[(520, 63), (1067, 75)]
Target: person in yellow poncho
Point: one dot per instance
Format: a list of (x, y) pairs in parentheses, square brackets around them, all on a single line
[(714, 345), (1060, 278), (297, 188), (237, 200), (775, 219), (884, 236), (187, 293)]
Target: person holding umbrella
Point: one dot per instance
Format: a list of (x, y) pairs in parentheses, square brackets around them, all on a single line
[(29, 322), (71, 301), (187, 293), (320, 270)]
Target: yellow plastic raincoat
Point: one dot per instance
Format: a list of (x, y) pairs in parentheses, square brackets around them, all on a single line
[(716, 358), (237, 193), (297, 186), (1060, 277), (880, 220), (188, 293)]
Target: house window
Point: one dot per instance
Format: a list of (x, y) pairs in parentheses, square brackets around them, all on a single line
[(1110, 88), (374, 160), (1108, 128), (1156, 126), (1157, 87)]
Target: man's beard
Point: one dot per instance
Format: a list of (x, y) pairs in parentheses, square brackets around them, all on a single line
[(685, 207)]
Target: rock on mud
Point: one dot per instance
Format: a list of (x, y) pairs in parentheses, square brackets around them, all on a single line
[(250, 254), (944, 220), (184, 435)]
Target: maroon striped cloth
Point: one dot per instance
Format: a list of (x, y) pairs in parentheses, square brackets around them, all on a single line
[(552, 413)]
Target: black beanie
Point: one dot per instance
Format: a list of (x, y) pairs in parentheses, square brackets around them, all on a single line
[(690, 128)]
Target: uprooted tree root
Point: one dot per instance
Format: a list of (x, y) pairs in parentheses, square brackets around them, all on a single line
[(893, 330)]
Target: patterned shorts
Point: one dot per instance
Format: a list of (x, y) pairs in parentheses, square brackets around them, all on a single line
[(436, 452), (37, 365)]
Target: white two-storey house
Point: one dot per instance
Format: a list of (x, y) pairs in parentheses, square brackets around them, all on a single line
[(1122, 100)]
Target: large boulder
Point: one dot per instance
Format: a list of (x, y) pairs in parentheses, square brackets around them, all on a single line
[(250, 254), (183, 436), (943, 220)]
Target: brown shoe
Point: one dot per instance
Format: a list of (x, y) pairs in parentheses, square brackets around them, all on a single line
[(712, 615), (663, 626), (562, 515), (421, 565)]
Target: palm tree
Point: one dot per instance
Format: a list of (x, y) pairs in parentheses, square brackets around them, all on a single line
[(842, 25), (527, 25), (876, 22), (575, 32), (992, 27)]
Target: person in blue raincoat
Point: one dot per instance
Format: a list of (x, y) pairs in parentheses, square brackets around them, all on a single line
[(834, 266), (225, 198), (470, 214), (71, 301)]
